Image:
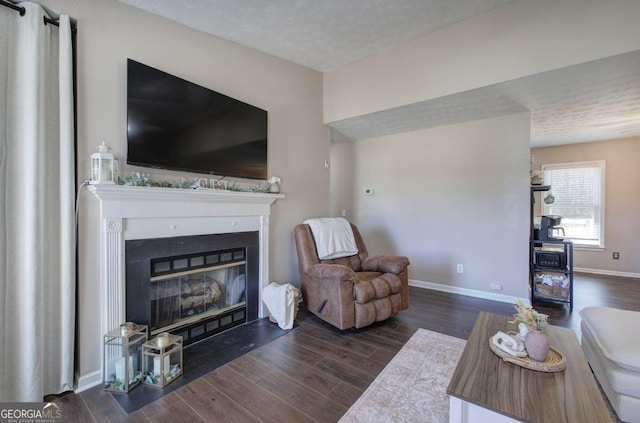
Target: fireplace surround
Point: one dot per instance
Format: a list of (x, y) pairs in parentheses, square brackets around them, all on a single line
[(144, 213)]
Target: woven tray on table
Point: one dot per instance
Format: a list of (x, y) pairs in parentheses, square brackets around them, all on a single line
[(555, 361)]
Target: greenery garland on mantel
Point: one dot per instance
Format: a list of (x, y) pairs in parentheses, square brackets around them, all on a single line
[(138, 179)]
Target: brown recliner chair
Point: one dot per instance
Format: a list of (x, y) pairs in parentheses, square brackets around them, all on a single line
[(352, 291)]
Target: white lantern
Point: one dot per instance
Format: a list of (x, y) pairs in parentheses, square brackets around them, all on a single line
[(103, 166)]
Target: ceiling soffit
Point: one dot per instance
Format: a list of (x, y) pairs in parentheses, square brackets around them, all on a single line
[(586, 102)]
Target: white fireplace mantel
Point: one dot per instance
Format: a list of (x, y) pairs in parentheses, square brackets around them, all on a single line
[(128, 213)]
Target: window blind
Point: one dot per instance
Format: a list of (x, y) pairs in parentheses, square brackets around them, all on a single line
[(578, 192)]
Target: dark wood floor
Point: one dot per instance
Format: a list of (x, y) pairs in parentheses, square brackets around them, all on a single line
[(594, 290), (315, 372)]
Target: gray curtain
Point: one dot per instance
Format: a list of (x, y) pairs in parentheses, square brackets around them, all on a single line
[(37, 193)]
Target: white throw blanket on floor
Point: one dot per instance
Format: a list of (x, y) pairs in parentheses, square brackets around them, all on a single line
[(334, 237), (281, 303)]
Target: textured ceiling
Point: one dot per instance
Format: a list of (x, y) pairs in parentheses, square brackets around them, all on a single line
[(588, 102), (320, 34)]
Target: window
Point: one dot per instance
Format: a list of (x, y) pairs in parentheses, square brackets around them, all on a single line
[(578, 189)]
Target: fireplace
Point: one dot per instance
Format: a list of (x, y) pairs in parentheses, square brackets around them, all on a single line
[(193, 286), (150, 213)]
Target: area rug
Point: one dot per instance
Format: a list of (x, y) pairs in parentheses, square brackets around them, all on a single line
[(413, 386)]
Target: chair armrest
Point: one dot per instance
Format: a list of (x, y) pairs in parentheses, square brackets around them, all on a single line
[(332, 272), (385, 264)]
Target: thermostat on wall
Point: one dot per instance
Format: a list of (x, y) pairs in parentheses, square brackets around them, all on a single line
[(368, 191)]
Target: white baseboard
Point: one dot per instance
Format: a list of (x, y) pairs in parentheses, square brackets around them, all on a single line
[(465, 291), (607, 272), (89, 381)]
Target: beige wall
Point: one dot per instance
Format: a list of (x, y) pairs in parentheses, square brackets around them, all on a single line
[(517, 39), (109, 32), (622, 201), (443, 196)]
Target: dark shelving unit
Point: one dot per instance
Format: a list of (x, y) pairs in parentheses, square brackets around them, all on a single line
[(537, 271)]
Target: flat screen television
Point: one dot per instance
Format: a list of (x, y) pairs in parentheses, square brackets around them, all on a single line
[(175, 124)]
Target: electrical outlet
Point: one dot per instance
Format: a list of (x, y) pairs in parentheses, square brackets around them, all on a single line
[(459, 268), (616, 255)]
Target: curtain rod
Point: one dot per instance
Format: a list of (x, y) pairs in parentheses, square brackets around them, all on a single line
[(56, 23), (22, 11)]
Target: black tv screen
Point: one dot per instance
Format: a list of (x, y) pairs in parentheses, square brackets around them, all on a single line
[(175, 124)]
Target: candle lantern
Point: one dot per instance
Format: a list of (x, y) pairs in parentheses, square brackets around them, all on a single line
[(122, 357), (162, 360), (103, 166)]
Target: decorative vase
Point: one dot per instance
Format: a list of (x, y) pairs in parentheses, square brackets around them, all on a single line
[(537, 345)]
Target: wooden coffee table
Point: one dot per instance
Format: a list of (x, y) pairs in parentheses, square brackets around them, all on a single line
[(484, 388)]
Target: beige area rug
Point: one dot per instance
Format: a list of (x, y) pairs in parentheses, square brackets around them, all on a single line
[(413, 386)]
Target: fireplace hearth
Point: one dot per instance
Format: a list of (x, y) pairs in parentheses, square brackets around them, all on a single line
[(193, 286)]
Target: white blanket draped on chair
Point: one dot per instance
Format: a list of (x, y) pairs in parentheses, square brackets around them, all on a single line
[(334, 237)]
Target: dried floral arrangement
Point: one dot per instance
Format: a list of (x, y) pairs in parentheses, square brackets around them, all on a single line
[(527, 315)]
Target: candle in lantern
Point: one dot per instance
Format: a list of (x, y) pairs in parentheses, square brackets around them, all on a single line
[(157, 369), (120, 371)]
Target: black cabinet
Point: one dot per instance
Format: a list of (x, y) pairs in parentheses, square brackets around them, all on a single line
[(550, 264)]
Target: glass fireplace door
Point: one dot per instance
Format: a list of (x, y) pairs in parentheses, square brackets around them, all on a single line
[(185, 290)]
